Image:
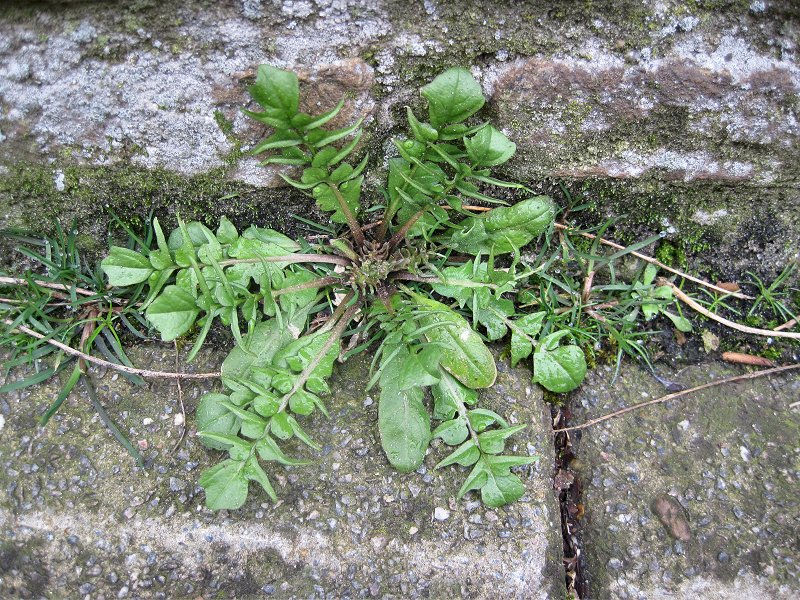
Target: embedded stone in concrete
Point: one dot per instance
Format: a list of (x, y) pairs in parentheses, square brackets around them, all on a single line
[(695, 498), (77, 517)]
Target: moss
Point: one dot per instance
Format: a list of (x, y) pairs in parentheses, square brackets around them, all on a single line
[(30, 200), (671, 254)]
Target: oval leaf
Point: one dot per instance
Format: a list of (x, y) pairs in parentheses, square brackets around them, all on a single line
[(464, 354), (126, 267), (173, 312), (560, 370)]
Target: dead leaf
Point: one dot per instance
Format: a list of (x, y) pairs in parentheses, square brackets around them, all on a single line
[(672, 516), (747, 359), (730, 286), (563, 480)]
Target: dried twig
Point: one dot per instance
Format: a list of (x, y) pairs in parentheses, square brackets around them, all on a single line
[(681, 295), (674, 395), (110, 365), (788, 325), (47, 284)]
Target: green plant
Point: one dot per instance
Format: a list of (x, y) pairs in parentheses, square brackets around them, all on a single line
[(425, 283), (67, 301)]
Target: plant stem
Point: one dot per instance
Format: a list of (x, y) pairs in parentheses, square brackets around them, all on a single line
[(401, 233), (47, 284), (336, 333), (308, 285), (352, 222), (289, 258)]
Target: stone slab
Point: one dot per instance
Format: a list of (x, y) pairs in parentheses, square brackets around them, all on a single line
[(721, 467), (76, 516)]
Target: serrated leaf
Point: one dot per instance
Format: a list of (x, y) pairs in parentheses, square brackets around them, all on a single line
[(466, 454), (481, 418), (452, 432), (126, 267), (268, 450), (448, 393), (225, 485), (504, 229), (254, 472), (493, 442), (173, 313), (452, 97), (326, 198)]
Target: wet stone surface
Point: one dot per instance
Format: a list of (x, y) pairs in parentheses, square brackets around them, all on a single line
[(693, 498), (77, 517)]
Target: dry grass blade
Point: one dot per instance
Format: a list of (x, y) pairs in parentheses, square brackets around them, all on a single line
[(111, 365), (658, 263), (47, 284), (681, 295), (674, 395)]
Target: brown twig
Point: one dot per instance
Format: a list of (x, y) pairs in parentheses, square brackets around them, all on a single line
[(47, 284), (110, 365), (788, 325), (681, 295), (674, 395)]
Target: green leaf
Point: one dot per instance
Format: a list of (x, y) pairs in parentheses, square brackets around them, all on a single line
[(466, 454), (504, 229), (226, 232), (452, 97), (269, 450), (326, 198), (464, 354), (489, 147), (423, 132), (448, 394), (238, 448), (681, 323), (481, 418), (225, 485), (403, 421), (173, 312), (259, 347), (452, 432), (277, 91), (500, 490), (561, 369), (280, 427), (254, 472), (213, 416), (523, 328), (126, 267), (493, 442)]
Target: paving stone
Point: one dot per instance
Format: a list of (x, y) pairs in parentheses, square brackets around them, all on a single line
[(693, 498)]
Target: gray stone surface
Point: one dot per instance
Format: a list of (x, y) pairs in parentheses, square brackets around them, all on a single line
[(727, 460), (683, 116), (76, 515)]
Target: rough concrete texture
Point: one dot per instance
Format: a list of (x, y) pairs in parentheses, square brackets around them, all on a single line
[(682, 116), (720, 468), (77, 517)]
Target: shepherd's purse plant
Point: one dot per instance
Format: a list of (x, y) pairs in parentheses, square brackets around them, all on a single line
[(411, 272)]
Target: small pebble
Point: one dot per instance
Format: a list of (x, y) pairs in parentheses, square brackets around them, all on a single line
[(441, 514)]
